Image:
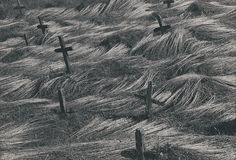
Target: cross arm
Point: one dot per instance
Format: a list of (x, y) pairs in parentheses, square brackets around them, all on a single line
[(62, 50), (163, 28), (42, 26), (153, 100), (168, 1)]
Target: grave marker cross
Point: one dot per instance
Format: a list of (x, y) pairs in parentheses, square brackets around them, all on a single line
[(19, 7), (41, 25), (64, 50), (148, 99), (161, 28), (168, 2)]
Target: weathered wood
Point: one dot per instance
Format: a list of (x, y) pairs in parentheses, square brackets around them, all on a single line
[(148, 99), (161, 28), (64, 50), (62, 100), (26, 40), (41, 25), (168, 2), (19, 7), (140, 148)]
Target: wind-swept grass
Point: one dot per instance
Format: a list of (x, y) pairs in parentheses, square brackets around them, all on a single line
[(114, 55)]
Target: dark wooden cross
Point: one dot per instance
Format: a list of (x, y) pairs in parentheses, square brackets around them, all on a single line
[(161, 29), (19, 7), (148, 99), (41, 25), (26, 40), (64, 50), (62, 101), (168, 2), (140, 148)]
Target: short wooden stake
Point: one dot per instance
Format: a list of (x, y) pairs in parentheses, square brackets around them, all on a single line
[(140, 148), (62, 100), (149, 99), (19, 7), (64, 50), (26, 40), (41, 25)]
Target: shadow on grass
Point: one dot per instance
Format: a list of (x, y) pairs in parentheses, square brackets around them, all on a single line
[(223, 128)]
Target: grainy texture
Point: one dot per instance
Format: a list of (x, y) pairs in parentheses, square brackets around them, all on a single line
[(116, 53)]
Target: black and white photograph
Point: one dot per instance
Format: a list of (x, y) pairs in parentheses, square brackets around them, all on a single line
[(117, 79)]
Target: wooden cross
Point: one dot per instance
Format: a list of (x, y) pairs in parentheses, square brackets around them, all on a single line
[(148, 99), (64, 50), (140, 148), (62, 101), (41, 25), (168, 2), (19, 7), (26, 40), (161, 28)]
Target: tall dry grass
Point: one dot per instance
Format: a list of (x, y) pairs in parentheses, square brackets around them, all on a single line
[(114, 56)]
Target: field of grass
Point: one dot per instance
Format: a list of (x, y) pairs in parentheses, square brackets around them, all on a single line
[(115, 54)]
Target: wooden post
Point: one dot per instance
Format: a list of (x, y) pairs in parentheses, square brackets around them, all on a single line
[(64, 50), (149, 98), (62, 100), (26, 40), (168, 2), (140, 148), (41, 25), (19, 7)]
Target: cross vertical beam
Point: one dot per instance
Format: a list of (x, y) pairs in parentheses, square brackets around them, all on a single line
[(41, 25), (62, 100), (26, 40), (64, 50), (148, 99), (159, 19), (140, 148), (19, 7)]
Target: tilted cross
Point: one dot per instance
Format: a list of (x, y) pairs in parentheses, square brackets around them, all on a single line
[(19, 7), (148, 99), (41, 25), (161, 28), (64, 50), (168, 2)]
